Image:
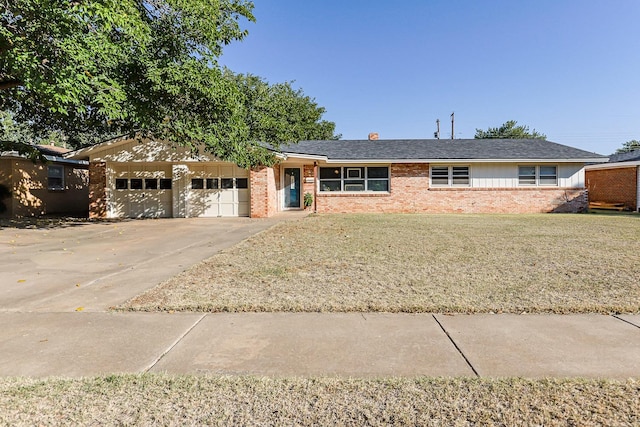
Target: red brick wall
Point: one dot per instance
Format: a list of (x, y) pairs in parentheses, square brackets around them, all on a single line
[(613, 185), (308, 174), (264, 196), (410, 193), (97, 190)]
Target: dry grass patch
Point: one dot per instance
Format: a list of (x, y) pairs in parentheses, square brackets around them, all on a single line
[(419, 263), (167, 400)]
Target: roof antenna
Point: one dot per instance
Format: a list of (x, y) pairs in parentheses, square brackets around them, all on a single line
[(436, 134), (452, 120)]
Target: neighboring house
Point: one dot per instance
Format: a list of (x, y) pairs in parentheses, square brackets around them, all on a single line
[(57, 187), (130, 178), (616, 183)]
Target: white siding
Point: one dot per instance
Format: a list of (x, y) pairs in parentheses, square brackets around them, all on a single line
[(505, 175)]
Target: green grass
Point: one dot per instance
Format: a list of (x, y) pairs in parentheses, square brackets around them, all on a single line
[(189, 400), (420, 263)]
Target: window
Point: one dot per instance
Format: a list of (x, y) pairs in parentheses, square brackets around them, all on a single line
[(526, 175), (135, 183), (226, 183), (352, 178), (548, 175), (460, 175), (150, 184), (212, 184), (165, 183), (55, 177), (439, 175), (331, 179), (450, 176), (378, 178), (122, 183), (197, 184), (537, 175), (218, 183)]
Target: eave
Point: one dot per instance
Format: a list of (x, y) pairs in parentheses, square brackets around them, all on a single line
[(288, 156)]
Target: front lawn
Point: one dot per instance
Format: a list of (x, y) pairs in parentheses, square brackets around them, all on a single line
[(419, 263), (188, 400)]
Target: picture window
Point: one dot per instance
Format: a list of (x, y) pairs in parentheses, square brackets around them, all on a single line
[(354, 179)]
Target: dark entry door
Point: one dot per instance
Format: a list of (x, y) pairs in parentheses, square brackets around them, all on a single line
[(292, 187)]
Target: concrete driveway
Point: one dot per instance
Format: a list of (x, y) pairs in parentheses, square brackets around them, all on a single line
[(86, 266)]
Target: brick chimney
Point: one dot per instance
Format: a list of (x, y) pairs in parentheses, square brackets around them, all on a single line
[(373, 136)]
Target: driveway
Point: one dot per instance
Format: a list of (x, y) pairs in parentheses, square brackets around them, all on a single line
[(86, 266)]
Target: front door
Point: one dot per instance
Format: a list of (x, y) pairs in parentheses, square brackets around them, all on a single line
[(292, 187)]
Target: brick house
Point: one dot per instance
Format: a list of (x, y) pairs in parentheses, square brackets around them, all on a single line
[(57, 187), (129, 178), (616, 182)]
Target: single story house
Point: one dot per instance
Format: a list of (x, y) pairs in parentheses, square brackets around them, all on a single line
[(616, 183), (148, 178), (58, 187)]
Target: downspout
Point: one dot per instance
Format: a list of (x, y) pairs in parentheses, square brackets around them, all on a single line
[(315, 187)]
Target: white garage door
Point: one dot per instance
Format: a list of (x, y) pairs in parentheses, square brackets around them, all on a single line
[(141, 191), (218, 190)]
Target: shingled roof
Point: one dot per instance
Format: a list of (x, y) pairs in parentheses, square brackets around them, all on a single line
[(630, 156), (440, 149)]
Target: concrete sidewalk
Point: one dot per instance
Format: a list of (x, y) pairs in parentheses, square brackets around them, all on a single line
[(317, 344)]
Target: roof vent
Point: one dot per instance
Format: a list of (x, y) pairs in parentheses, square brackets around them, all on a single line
[(373, 136)]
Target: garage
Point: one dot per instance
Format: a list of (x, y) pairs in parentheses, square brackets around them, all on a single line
[(218, 190), (157, 190), (143, 178), (141, 191)]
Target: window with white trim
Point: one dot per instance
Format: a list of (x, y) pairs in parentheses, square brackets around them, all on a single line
[(55, 177), (450, 176), (537, 175), (354, 178)]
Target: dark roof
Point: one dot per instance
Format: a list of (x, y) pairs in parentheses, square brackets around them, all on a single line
[(52, 150), (630, 156), (435, 149)]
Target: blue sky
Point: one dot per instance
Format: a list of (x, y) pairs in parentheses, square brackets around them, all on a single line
[(567, 68)]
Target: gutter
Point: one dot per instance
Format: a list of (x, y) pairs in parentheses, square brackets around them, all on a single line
[(616, 165), (388, 161), (67, 161)]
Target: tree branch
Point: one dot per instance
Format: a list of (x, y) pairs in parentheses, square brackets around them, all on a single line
[(8, 84)]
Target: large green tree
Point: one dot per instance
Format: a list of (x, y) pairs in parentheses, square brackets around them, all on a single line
[(509, 130), (96, 68), (629, 146)]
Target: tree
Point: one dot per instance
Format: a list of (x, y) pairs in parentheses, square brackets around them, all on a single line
[(629, 146), (279, 112), (98, 68), (509, 130)]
